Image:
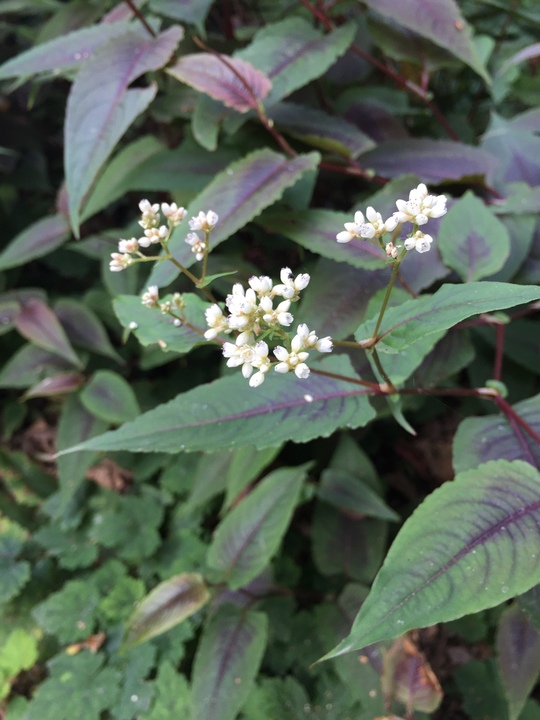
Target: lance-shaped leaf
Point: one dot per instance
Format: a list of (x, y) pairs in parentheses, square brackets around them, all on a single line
[(151, 327), (37, 323), (29, 365), (9, 309), (466, 548), (415, 320), (40, 238), (168, 604), (56, 385), (440, 21), (348, 493), (84, 328), (432, 160), (518, 650), (228, 413), (226, 663), (472, 241), (238, 194), (63, 53), (209, 74), (100, 108), (248, 537), (480, 439), (109, 397)]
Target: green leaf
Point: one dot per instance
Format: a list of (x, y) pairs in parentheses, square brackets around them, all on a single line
[(233, 414), (226, 663), (40, 238), (117, 604), (345, 491), (440, 22), (77, 687), (18, 652), (518, 650), (246, 465), (238, 194), (71, 548), (249, 536), (172, 695), (13, 575), (29, 365), (69, 613), (84, 328), (109, 397), (152, 327), (277, 699), (100, 107), (189, 11), (475, 556), (169, 604), (137, 693), (472, 241)]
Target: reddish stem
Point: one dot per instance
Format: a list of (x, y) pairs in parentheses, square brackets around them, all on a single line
[(499, 351), (509, 411), (140, 17)]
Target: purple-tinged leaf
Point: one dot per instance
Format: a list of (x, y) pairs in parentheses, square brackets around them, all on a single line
[(343, 545), (109, 397), (9, 309), (475, 556), (451, 354), (84, 328), (246, 465), (432, 160), (121, 12), (29, 365), (320, 129), (223, 414), (440, 21), (167, 605), (472, 241), (530, 604), (517, 150), (346, 491), (250, 534), (238, 194), (492, 437), (527, 53), (408, 678), (57, 385), (38, 324), (100, 107), (226, 662), (151, 327), (208, 74), (188, 11), (63, 53), (37, 240), (518, 651)]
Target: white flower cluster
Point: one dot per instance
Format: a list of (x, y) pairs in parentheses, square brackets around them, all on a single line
[(252, 313), (418, 209), (203, 222)]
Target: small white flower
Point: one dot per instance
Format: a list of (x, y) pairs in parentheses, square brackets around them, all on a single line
[(242, 305), (291, 286), (277, 316), (420, 206), (216, 321), (419, 242), (149, 214), (324, 344), (291, 361), (204, 221), (128, 246), (153, 236), (119, 262), (392, 250), (241, 353), (198, 246), (173, 213), (352, 229), (151, 296), (262, 285), (260, 362), (305, 339)]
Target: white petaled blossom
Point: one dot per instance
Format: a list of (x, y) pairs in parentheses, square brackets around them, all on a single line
[(128, 246), (352, 229), (277, 316), (119, 262), (419, 242), (260, 362), (305, 339), (216, 321), (204, 221), (392, 250), (240, 353), (242, 305), (372, 226), (420, 206), (198, 246), (153, 236), (151, 296), (291, 361), (291, 286), (173, 213), (149, 214), (262, 285)]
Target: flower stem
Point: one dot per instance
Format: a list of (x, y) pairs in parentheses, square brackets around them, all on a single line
[(384, 305), (205, 259)]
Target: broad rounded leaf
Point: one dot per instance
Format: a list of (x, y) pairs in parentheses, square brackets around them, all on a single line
[(228, 413), (100, 108), (518, 650), (109, 397), (471, 545), (207, 73), (226, 663), (37, 323), (472, 241), (249, 536), (438, 20), (480, 439), (237, 194), (168, 604), (37, 240), (151, 327)]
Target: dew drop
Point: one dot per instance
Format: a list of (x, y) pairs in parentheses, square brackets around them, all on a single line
[(504, 589), (177, 322), (133, 325), (308, 398), (134, 698), (77, 56)]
